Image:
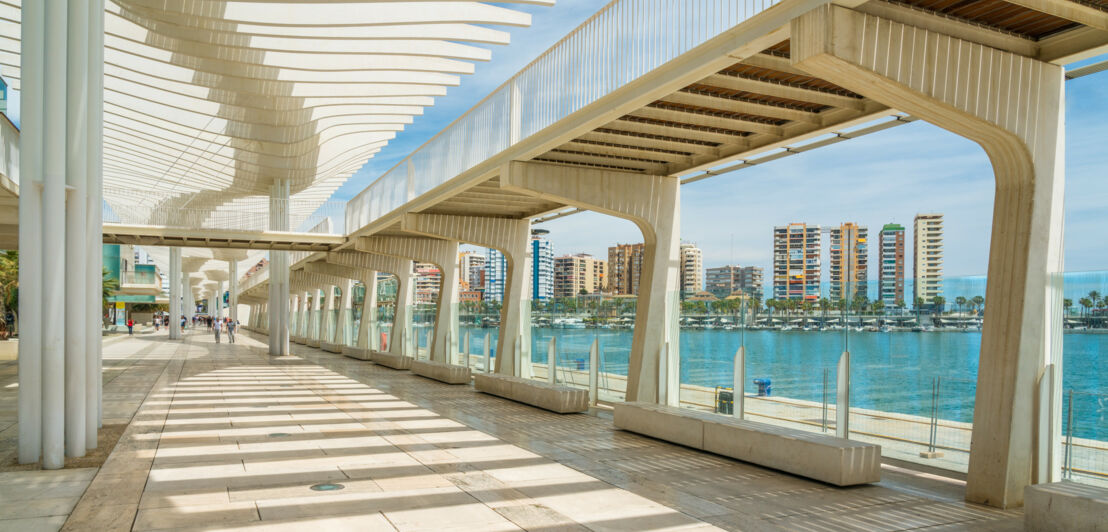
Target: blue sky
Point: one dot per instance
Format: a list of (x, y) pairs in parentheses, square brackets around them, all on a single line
[(886, 177)]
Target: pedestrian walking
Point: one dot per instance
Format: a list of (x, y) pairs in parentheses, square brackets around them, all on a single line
[(131, 327), (157, 324), (231, 326), (215, 327)]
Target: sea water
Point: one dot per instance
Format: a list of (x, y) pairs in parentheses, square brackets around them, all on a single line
[(890, 371)]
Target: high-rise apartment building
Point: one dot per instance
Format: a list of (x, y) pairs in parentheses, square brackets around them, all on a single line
[(577, 274), (927, 256), (692, 267), (890, 273), (428, 278), (796, 261), (542, 266), (496, 270), (849, 262), (625, 268), (471, 270), (726, 280)]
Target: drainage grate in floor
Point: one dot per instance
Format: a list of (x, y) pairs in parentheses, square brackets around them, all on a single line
[(278, 435)]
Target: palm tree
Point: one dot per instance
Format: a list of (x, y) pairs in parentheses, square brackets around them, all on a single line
[(1066, 304), (979, 302), (1094, 296), (960, 300), (1086, 303), (939, 301)]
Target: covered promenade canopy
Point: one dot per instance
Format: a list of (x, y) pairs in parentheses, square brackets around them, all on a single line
[(245, 116)]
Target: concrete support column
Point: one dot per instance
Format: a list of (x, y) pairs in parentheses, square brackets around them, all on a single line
[(305, 312), (76, 220), (444, 254), (400, 340), (367, 328), (1013, 107), (31, 147), (340, 316), (653, 203), (233, 289), (326, 325), (94, 304), (279, 271), (175, 283)]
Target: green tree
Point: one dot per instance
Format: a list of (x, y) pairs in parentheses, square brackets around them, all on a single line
[(978, 302), (938, 301), (1086, 304), (960, 301), (9, 287), (109, 286), (1066, 304)]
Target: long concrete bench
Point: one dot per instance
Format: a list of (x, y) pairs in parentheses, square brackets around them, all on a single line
[(390, 360), (330, 348), (441, 371), (1065, 506), (297, 340), (555, 398), (821, 457), (312, 342), (359, 353)]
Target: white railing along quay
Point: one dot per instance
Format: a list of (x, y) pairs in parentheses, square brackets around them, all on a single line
[(622, 42)]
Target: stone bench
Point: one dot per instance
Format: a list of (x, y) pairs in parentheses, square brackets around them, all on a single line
[(390, 360), (441, 371), (359, 353), (555, 398), (820, 457), (312, 342), (331, 348), (297, 340), (1065, 506)]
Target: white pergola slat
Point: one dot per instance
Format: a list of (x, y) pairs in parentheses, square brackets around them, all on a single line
[(209, 102)]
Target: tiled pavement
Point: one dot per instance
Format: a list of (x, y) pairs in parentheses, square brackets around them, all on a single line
[(229, 438)]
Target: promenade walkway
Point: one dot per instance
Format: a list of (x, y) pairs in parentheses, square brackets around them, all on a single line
[(226, 437)]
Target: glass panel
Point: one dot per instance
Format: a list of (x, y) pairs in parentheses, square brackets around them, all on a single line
[(1084, 394)]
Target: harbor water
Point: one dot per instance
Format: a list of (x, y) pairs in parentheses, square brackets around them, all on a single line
[(890, 371)]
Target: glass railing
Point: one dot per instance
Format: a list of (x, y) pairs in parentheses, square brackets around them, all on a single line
[(912, 367)]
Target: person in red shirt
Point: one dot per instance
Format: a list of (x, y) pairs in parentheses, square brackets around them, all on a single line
[(131, 327)]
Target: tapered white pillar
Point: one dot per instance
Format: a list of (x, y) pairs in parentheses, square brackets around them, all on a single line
[(326, 321), (653, 203), (174, 324), (400, 338), (233, 289), (53, 236), (1013, 107), (341, 326), (94, 228), (32, 112), (367, 328), (279, 271)]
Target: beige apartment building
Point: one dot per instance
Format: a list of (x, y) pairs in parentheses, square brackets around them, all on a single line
[(927, 258), (625, 268), (692, 269), (849, 261), (577, 274)]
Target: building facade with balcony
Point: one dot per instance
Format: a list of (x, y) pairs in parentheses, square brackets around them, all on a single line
[(849, 268), (890, 273), (927, 259), (625, 268), (724, 281), (796, 262), (692, 268), (578, 274)]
